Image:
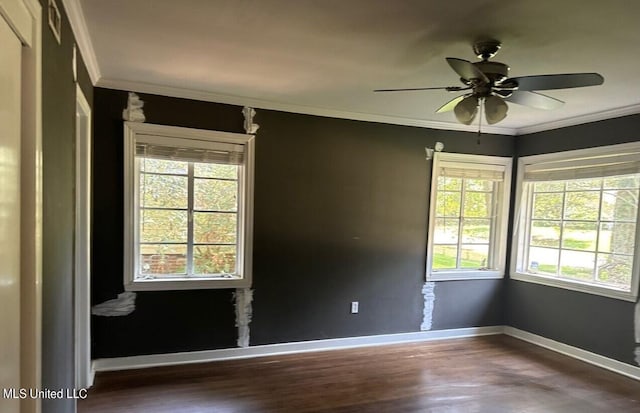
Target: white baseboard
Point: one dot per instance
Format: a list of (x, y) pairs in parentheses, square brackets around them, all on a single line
[(156, 360), (577, 353)]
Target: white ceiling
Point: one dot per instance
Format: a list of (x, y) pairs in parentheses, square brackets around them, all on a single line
[(326, 57)]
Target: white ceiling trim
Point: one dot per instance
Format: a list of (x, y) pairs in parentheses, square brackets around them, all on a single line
[(580, 120), (143, 87), (81, 32), (83, 39)]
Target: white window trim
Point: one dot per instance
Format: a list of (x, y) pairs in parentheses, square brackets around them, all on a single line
[(245, 210), (517, 240), (501, 222)]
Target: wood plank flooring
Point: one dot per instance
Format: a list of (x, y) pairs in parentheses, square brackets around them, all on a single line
[(492, 374)]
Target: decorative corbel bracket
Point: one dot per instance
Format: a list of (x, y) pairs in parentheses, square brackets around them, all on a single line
[(249, 126), (133, 112)]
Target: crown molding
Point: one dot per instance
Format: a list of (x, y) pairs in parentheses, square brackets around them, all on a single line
[(185, 93), (580, 120), (78, 24), (81, 33)]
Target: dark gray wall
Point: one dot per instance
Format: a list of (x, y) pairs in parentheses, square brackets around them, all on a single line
[(460, 304), (340, 215), (58, 145), (164, 321), (594, 323)]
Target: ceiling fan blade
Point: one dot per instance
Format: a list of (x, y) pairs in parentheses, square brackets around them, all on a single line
[(466, 69), (450, 105), (447, 88), (534, 100), (560, 81), (495, 109), (466, 109)]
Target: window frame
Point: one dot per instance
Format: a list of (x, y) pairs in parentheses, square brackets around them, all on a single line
[(244, 244), (498, 238), (521, 220)]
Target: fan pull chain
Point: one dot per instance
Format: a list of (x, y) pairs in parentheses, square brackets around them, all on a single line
[(480, 122)]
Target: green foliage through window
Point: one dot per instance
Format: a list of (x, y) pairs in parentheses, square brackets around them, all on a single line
[(463, 223), (584, 229), (188, 213)]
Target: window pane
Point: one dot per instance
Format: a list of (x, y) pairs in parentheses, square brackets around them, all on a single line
[(615, 270), (478, 185), (163, 226), (476, 231), (545, 234), (579, 184), (617, 237), (163, 259), (620, 205), (444, 257), (215, 195), (474, 256), (577, 265), (215, 170), (448, 204), (548, 187), (477, 204), (214, 228), (547, 206), (582, 205), (620, 182), (163, 166), (580, 235), (214, 259), (163, 191), (446, 231), (543, 261), (449, 184)]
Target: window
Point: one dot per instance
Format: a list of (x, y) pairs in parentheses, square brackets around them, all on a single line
[(188, 208), (468, 216), (576, 225)]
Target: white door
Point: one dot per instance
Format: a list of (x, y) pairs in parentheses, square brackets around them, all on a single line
[(10, 121)]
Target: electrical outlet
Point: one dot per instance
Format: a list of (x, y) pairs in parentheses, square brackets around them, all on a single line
[(354, 307)]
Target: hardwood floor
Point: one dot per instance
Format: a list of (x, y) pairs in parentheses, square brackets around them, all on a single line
[(491, 374)]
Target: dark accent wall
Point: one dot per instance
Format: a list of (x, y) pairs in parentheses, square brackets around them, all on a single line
[(468, 303), (58, 145), (591, 322), (164, 321), (341, 213)]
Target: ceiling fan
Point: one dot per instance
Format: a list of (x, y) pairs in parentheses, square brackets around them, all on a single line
[(488, 83)]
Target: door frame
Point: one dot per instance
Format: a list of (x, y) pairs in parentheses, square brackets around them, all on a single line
[(82, 282), (25, 18)]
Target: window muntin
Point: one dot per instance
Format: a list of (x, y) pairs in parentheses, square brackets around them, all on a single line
[(465, 214), (188, 218), (576, 220), (583, 229), (188, 208), (468, 216)]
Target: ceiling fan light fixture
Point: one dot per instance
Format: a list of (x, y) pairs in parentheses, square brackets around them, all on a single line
[(495, 109), (466, 110), (490, 85)]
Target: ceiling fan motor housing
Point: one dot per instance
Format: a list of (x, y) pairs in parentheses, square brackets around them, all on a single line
[(495, 71)]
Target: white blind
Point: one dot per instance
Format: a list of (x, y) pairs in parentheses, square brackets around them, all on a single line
[(471, 171), (189, 150), (584, 168)]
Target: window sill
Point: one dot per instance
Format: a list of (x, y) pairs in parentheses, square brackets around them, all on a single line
[(160, 284), (464, 275), (575, 286)]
